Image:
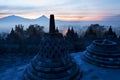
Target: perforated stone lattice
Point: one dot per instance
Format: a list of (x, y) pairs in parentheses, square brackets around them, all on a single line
[(52, 61), (53, 48)]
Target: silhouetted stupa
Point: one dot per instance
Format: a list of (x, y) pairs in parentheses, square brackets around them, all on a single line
[(53, 61), (103, 53), (52, 24)]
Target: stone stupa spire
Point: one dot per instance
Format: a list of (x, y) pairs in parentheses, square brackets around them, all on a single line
[(52, 24)]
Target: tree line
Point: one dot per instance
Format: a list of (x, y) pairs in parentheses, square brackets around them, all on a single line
[(21, 40)]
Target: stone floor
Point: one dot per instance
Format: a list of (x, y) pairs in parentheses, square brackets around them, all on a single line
[(90, 72)]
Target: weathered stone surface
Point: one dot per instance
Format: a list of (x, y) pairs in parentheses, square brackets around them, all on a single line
[(103, 53), (53, 61)]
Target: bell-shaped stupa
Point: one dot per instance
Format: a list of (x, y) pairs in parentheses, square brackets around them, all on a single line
[(103, 53), (53, 61)]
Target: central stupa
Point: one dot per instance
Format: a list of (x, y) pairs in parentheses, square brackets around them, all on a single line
[(53, 61)]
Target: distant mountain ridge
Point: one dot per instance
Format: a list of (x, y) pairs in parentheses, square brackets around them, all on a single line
[(9, 22), (43, 17), (6, 23), (17, 19), (13, 18)]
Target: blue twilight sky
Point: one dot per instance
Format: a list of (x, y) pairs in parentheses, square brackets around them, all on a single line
[(63, 9)]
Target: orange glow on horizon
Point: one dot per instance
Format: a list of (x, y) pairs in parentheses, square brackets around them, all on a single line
[(1, 16), (64, 32), (79, 18), (64, 18)]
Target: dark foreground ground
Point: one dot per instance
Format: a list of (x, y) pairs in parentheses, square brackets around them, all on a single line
[(12, 66)]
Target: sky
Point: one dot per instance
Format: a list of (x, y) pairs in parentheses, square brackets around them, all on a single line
[(69, 10)]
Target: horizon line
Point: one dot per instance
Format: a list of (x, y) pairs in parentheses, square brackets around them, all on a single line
[(68, 19)]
